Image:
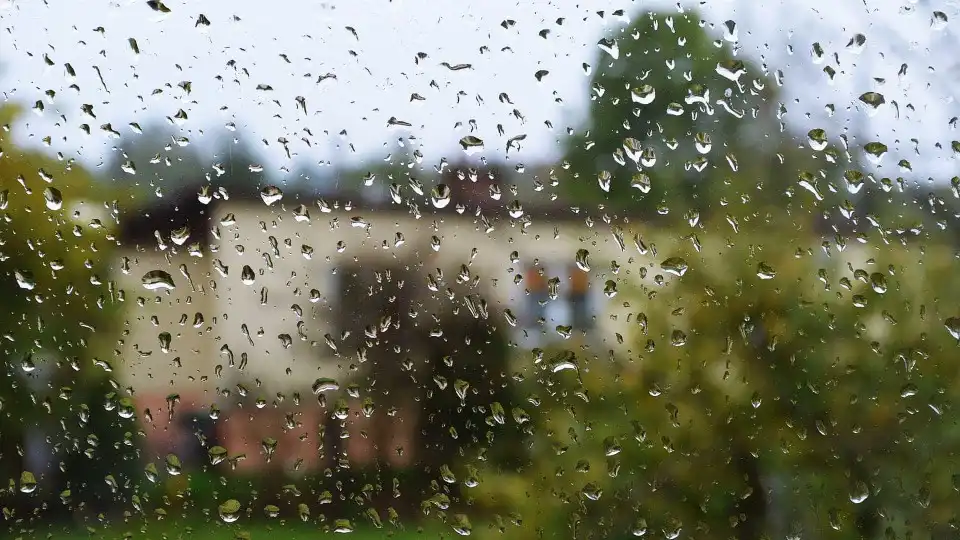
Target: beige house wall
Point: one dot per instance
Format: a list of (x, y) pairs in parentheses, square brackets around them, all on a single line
[(272, 243)]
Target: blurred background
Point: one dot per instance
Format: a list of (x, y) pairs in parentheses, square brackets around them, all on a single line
[(540, 271)]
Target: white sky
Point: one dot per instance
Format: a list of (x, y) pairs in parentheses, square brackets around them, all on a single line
[(376, 73)]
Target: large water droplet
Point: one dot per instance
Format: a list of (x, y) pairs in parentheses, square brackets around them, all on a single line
[(28, 482), (583, 260), (440, 195), (643, 95), (765, 271), (952, 324), (157, 279), (271, 194), (471, 144), (229, 510), (610, 47), (674, 265), (25, 279), (53, 198)]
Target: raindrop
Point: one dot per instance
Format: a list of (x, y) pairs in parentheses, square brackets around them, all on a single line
[(817, 139), (610, 47), (343, 526), (325, 384), (157, 279), (857, 43), (875, 151), (878, 282), (174, 467), (604, 178), (643, 95), (859, 493), (440, 196), (461, 525), (873, 100), (247, 276), (610, 288), (765, 271), (952, 324), (730, 31), (271, 194), (582, 260), (217, 455), (674, 265), (229, 510), (471, 144), (53, 198), (151, 472), (641, 181), (25, 279), (938, 21), (854, 180), (28, 482)]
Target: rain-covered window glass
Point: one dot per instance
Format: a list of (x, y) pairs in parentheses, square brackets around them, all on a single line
[(424, 269)]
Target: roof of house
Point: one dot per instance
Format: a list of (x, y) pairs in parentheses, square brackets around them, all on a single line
[(195, 207)]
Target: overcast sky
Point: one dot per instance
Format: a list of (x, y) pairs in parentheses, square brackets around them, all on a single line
[(287, 45)]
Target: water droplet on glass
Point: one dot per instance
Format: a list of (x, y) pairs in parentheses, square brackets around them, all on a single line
[(53, 198), (854, 181), (952, 324), (603, 179), (674, 265), (229, 510), (859, 493), (157, 279), (28, 482), (643, 95), (343, 526), (938, 21), (873, 100), (173, 464), (325, 384), (25, 279), (641, 181), (217, 455), (730, 31), (875, 151), (461, 525), (582, 260), (471, 144), (151, 472), (610, 47), (271, 194), (878, 282), (817, 139), (247, 276), (440, 195), (765, 271)]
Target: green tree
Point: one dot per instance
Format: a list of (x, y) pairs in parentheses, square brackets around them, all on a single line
[(55, 247), (671, 113), (766, 392)]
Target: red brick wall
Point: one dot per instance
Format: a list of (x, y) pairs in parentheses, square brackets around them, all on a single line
[(241, 431)]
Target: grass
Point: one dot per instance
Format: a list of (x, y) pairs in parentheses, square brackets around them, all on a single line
[(216, 530)]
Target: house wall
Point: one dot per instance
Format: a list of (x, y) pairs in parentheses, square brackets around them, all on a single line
[(277, 302)]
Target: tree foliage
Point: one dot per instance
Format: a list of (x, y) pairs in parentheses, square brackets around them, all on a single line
[(55, 251)]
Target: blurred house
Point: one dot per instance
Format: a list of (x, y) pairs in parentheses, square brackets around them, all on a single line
[(266, 308)]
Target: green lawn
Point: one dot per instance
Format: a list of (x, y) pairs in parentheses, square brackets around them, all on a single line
[(215, 530)]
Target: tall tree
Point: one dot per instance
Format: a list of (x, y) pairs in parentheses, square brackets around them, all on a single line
[(55, 252), (671, 111)]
